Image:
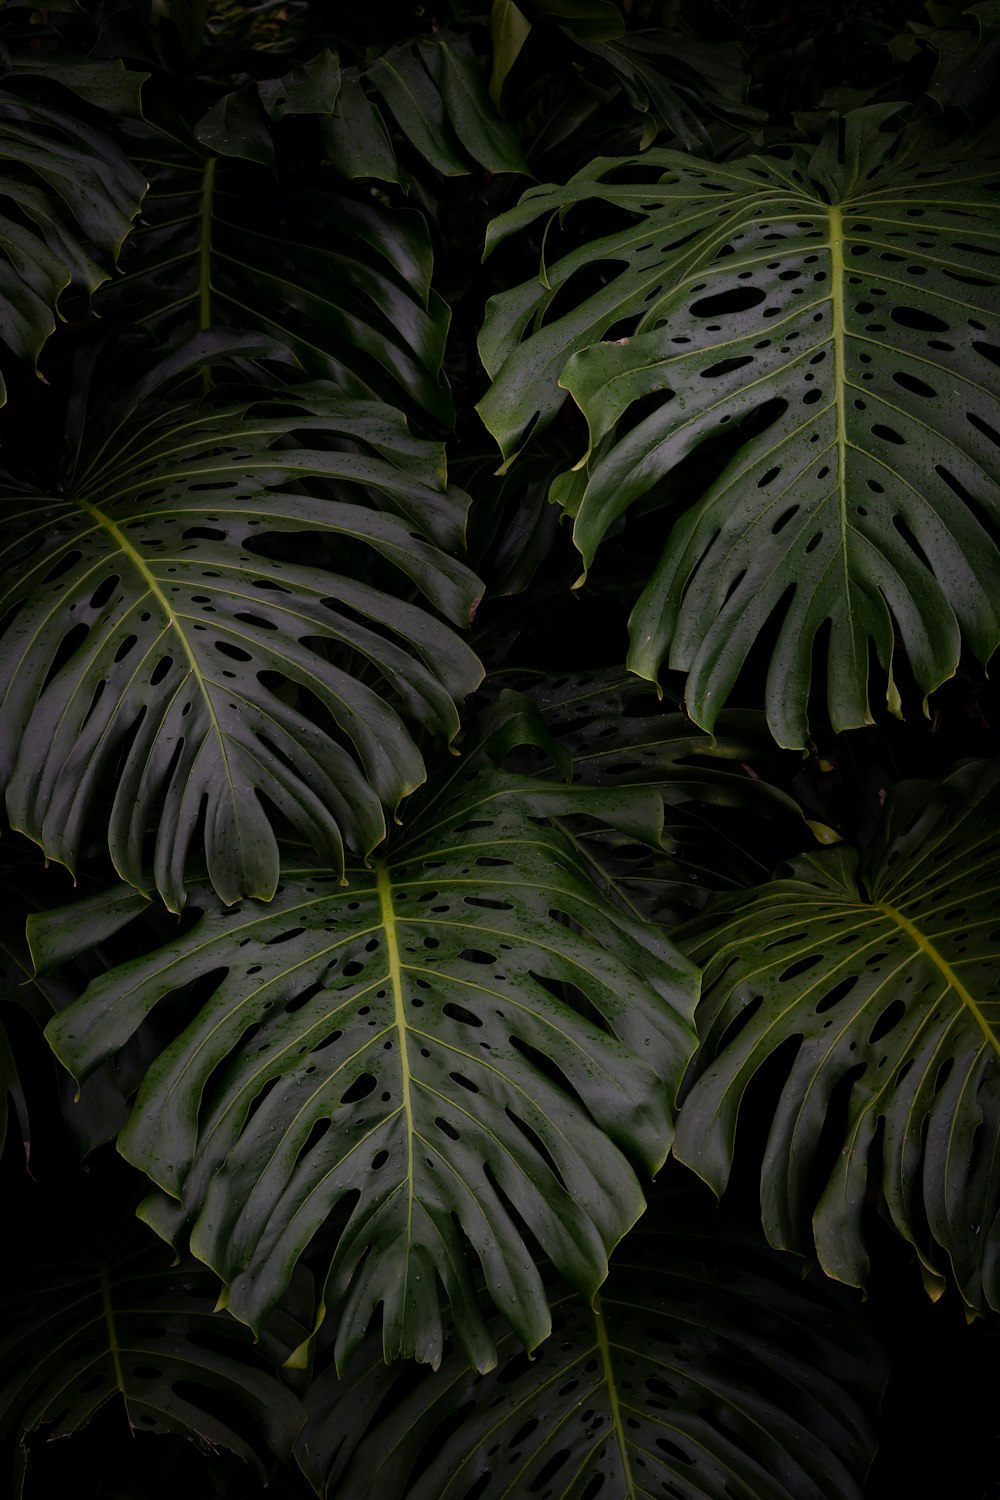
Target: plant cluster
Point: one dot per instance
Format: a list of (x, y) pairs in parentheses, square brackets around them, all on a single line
[(499, 556)]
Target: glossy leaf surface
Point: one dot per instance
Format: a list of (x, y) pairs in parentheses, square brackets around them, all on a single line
[(148, 632), (839, 318), (462, 1052), (706, 1370), (435, 91), (881, 978)]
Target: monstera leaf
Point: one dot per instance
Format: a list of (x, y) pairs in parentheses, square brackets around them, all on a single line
[(461, 1053), (831, 315), (126, 1325), (68, 195), (342, 283), (880, 976), (718, 808), (153, 640), (706, 1368), (436, 90)]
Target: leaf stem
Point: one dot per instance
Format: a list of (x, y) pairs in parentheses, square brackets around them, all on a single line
[(205, 259), (609, 1380), (388, 920), (109, 1321)]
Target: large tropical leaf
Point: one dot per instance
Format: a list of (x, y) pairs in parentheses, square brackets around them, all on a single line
[(127, 1325), (706, 1370), (878, 978), (68, 195), (436, 90), (836, 309), (680, 85), (342, 283), (718, 806), (455, 1057), (152, 640)]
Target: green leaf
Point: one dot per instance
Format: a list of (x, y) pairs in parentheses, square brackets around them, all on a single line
[(402, 79), (591, 20), (836, 309), (682, 82), (355, 135), (106, 84), (310, 88), (344, 284), (462, 1052), (85, 1332), (707, 1367), (487, 137), (509, 30), (882, 978), (68, 195), (150, 634), (966, 73), (719, 809), (234, 126)]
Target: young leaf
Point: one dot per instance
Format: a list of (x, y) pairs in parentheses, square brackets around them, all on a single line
[(882, 976), (461, 1053)]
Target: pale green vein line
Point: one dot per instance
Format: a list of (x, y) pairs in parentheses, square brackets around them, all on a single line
[(388, 919), (612, 1389), (154, 588), (109, 1322), (205, 247), (839, 379), (944, 968)]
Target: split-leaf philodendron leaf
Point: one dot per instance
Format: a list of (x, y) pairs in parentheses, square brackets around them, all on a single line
[(881, 974), (127, 1325), (459, 1055), (831, 313), (148, 631), (68, 195), (343, 283), (618, 736), (706, 1368)]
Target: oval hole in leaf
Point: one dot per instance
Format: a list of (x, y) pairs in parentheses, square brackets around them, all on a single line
[(889, 1018), (734, 299), (459, 1013), (836, 994), (916, 317), (363, 1085)]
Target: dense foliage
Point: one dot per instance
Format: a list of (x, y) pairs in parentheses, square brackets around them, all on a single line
[(500, 556)]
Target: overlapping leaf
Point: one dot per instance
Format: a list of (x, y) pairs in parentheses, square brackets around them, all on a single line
[(447, 1061), (129, 1326), (619, 737), (706, 1369), (436, 91), (882, 980), (342, 283), (68, 195), (681, 85), (154, 643), (835, 308)]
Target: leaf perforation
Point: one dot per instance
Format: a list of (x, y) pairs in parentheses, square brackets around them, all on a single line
[(950, 978)]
